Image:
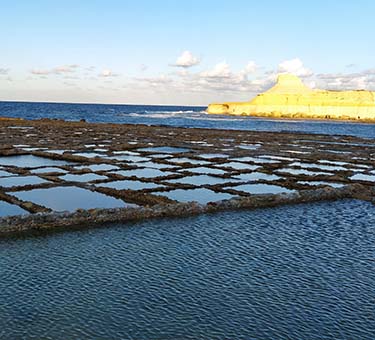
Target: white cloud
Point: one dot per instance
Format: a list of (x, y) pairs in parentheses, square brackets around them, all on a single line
[(65, 68), (311, 84), (156, 81), (72, 77), (40, 72), (4, 71), (217, 80), (107, 73), (265, 81), (348, 81), (250, 68), (56, 70), (294, 66), (220, 70), (186, 59)]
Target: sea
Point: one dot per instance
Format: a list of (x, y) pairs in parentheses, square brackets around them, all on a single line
[(303, 272), (178, 116)]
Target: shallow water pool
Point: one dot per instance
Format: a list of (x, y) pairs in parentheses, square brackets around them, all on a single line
[(30, 161), (69, 198), (7, 209), (19, 181), (200, 195)]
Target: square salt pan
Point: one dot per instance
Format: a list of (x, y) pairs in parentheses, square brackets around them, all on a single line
[(7, 209), (30, 161), (202, 180), (82, 178), (129, 185), (18, 181), (261, 189), (202, 195), (143, 173), (70, 199)]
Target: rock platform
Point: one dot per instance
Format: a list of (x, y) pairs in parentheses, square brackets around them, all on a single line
[(56, 174)]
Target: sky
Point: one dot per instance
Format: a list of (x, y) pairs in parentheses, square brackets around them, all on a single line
[(176, 52)]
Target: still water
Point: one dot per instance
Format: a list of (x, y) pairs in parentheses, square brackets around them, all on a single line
[(297, 272)]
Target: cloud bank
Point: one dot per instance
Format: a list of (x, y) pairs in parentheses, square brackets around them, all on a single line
[(201, 84), (56, 70), (4, 71), (222, 82)]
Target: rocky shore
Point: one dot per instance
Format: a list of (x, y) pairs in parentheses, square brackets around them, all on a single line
[(58, 174)]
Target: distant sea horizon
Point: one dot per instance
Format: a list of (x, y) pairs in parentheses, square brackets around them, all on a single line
[(176, 116), (95, 103)]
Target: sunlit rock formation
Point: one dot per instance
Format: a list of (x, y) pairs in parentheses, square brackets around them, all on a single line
[(290, 98)]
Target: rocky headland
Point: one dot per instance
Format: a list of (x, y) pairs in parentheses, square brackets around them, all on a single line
[(290, 98)]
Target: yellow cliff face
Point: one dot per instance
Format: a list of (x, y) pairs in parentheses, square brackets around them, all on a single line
[(290, 98)]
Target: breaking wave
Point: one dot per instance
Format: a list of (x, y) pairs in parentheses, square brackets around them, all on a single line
[(161, 114)]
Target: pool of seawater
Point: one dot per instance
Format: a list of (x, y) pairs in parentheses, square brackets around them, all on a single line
[(238, 166), (83, 177), (165, 149), (129, 185), (299, 272), (363, 177), (261, 189), (143, 173), (30, 161), (98, 167), (4, 173), (205, 170), (188, 160), (48, 170), (19, 181), (256, 176), (202, 180), (7, 209), (69, 198), (200, 195)]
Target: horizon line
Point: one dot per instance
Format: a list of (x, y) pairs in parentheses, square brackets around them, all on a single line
[(94, 103)]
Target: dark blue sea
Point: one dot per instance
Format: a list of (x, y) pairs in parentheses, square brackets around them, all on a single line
[(182, 116), (303, 272)]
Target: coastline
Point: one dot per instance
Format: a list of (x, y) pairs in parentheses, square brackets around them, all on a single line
[(291, 98), (263, 159), (301, 117)]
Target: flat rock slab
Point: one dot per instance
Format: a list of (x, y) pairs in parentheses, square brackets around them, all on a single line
[(210, 167)]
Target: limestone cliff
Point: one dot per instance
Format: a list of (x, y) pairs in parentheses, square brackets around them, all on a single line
[(290, 98)]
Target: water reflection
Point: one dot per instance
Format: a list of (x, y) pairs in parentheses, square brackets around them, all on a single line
[(69, 198)]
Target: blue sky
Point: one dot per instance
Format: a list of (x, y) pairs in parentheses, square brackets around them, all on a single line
[(175, 52)]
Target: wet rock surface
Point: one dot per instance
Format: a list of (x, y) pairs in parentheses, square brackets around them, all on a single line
[(160, 171)]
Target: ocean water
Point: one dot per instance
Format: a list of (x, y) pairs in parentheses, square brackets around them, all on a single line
[(183, 116), (298, 272), (303, 272)]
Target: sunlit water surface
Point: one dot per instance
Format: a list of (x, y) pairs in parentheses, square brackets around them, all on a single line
[(183, 116), (297, 272)]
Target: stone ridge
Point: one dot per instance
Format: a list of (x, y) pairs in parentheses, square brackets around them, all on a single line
[(290, 98)]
